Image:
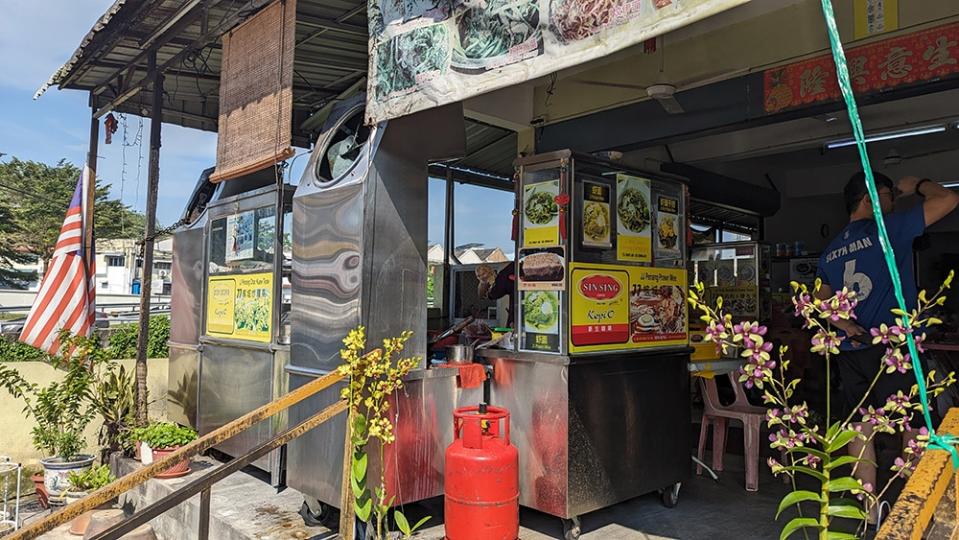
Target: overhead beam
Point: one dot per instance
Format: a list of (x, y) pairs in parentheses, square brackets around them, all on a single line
[(220, 29), (332, 25), (157, 40)]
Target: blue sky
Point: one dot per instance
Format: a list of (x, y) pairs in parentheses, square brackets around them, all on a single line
[(36, 37)]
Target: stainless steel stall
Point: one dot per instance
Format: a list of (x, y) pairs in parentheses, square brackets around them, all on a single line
[(597, 382), (360, 258), (227, 344)]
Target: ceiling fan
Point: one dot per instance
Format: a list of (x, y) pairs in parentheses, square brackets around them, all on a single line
[(664, 90)]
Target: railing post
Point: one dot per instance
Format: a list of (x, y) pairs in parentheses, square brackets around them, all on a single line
[(204, 532)]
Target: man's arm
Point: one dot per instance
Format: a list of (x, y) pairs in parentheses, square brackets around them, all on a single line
[(850, 327), (939, 201)]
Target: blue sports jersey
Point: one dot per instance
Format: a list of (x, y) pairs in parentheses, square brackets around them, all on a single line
[(854, 260)]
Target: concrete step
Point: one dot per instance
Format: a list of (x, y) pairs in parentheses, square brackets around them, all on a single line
[(242, 507)]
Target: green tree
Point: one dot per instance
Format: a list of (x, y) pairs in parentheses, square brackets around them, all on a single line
[(11, 252), (39, 195)]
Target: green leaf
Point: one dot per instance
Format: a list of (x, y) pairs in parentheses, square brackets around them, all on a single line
[(402, 523), (807, 471), (846, 511), (840, 461), (358, 488), (807, 450), (836, 535), (841, 440), (420, 523), (795, 498), (846, 483), (359, 467), (832, 431), (798, 523), (363, 508)]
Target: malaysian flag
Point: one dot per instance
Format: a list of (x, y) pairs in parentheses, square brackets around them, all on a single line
[(66, 298)]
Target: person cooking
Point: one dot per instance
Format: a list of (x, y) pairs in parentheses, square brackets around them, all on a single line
[(854, 260), (493, 285)]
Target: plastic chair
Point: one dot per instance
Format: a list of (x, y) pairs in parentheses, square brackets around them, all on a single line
[(718, 415)]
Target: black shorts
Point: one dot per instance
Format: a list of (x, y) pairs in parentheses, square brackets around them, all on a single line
[(858, 367)]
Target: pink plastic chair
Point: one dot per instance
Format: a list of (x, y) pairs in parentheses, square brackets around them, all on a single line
[(718, 415)]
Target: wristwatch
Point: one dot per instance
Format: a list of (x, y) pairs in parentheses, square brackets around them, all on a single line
[(919, 185)]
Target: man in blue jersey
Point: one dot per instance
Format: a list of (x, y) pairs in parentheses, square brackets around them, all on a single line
[(854, 259)]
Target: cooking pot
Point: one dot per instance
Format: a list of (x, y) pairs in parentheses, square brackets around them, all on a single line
[(462, 354)]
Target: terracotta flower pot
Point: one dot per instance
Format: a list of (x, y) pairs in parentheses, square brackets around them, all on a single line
[(79, 524), (41, 490), (179, 469)]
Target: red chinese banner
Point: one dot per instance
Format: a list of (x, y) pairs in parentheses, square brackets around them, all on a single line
[(922, 56)]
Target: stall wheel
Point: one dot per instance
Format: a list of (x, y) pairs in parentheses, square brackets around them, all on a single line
[(571, 529), (320, 514), (670, 495)]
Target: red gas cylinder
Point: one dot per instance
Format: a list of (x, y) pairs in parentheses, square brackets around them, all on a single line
[(482, 477)]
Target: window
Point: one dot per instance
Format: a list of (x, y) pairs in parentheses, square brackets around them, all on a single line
[(162, 266), (115, 260), (243, 241)]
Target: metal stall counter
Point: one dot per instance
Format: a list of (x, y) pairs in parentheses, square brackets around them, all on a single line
[(228, 347), (597, 378)]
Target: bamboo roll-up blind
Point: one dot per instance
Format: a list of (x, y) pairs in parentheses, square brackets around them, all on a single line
[(256, 93)]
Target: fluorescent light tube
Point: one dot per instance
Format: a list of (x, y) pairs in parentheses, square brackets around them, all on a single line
[(950, 185), (885, 136)]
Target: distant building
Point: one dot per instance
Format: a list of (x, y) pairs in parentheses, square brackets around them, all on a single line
[(120, 267)]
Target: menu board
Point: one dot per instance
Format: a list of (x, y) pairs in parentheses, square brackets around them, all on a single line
[(541, 214), (240, 306), (542, 269), (668, 228), (540, 320), (623, 307), (596, 219), (634, 223)]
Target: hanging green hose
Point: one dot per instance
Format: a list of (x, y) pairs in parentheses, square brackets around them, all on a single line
[(947, 442)]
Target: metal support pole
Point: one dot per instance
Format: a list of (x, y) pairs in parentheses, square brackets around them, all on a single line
[(156, 121), (92, 187), (204, 531), (448, 239)]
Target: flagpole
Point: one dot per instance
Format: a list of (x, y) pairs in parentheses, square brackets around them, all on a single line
[(91, 183)]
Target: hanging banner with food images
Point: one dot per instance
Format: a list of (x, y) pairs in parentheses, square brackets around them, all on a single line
[(541, 214), (667, 228), (597, 225), (542, 269), (427, 53), (240, 306), (626, 307), (633, 230), (540, 314)]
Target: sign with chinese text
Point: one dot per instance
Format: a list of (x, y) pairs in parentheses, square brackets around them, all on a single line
[(634, 219), (541, 214), (541, 317), (622, 307), (240, 306), (596, 220), (905, 60), (427, 53), (668, 231), (875, 17)]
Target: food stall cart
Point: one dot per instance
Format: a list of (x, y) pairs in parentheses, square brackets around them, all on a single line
[(227, 347), (597, 382)]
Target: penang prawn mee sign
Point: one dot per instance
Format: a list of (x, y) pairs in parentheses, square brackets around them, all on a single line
[(426, 53)]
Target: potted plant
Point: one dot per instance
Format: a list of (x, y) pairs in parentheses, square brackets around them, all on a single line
[(164, 438), (62, 410), (82, 483)]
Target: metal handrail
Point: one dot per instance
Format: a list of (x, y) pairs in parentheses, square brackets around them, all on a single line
[(201, 485), (924, 490)]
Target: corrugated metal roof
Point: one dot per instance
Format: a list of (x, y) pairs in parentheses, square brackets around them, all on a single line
[(330, 57)]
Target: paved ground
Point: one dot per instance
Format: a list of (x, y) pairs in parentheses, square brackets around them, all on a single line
[(707, 510)]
